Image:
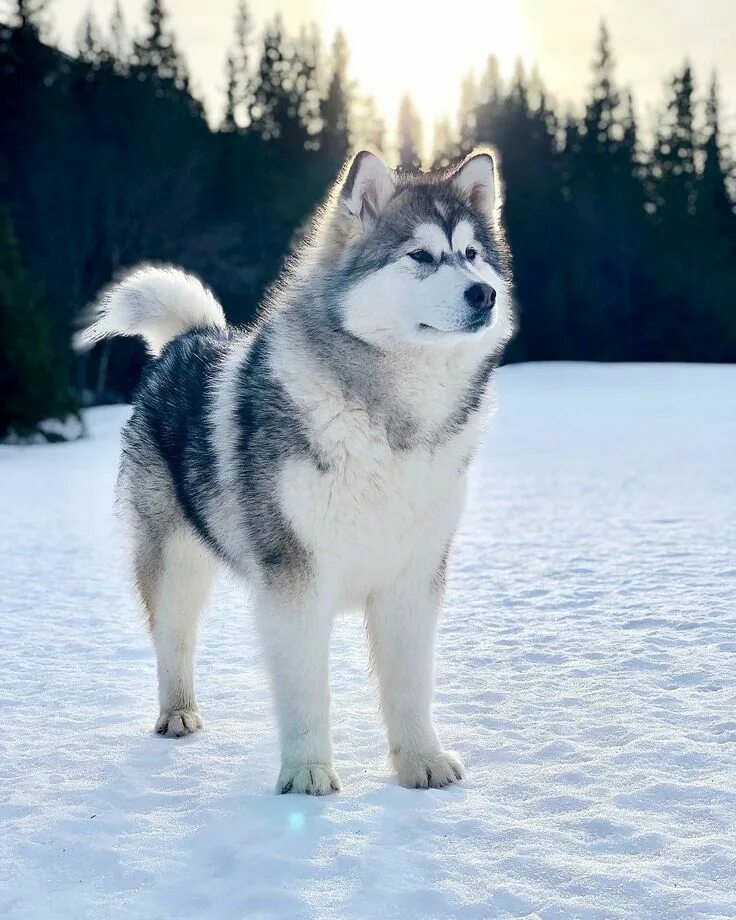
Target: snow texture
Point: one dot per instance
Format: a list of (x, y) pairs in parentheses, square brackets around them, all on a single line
[(586, 675)]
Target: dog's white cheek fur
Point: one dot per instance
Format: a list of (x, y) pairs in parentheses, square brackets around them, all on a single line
[(371, 308), (387, 308)]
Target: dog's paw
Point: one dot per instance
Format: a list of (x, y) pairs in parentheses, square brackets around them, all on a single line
[(417, 770), (178, 722), (308, 778)]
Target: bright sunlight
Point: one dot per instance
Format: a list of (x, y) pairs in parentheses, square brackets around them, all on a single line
[(400, 47)]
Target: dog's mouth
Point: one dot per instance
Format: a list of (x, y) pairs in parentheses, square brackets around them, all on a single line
[(482, 323)]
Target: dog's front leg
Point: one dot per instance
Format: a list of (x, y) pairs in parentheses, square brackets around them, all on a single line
[(295, 632), (401, 624)]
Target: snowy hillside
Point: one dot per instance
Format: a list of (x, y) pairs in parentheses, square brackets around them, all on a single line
[(587, 675)]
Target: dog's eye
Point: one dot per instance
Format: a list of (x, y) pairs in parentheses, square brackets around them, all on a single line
[(421, 255), (470, 253)]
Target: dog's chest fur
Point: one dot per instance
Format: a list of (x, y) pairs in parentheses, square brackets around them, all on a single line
[(389, 488)]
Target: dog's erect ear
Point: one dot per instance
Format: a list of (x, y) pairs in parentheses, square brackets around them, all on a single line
[(476, 179), (368, 188)]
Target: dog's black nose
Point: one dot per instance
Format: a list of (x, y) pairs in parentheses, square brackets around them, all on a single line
[(480, 296)]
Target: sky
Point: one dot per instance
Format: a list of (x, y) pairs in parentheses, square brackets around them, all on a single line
[(426, 48)]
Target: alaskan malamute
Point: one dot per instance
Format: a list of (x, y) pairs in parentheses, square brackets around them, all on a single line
[(323, 454)]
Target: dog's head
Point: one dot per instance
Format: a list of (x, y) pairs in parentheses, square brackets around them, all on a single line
[(421, 260)]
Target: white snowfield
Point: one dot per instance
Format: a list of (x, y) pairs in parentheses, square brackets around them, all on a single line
[(586, 674)]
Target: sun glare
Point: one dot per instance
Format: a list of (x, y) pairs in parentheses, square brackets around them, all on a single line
[(426, 50)]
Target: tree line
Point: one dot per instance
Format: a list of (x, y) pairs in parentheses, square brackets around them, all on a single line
[(623, 249)]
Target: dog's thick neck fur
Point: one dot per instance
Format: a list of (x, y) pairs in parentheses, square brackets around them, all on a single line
[(417, 393)]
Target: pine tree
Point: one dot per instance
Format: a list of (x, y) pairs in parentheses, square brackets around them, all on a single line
[(599, 135), (336, 104), (410, 136), (369, 128), (536, 88), (308, 54), (228, 118), (30, 15), (524, 135), (491, 83), (237, 70), (673, 322), (713, 252), (267, 84), (519, 91), (604, 201), (629, 144), (713, 200), (119, 40), (156, 56), (673, 158), (274, 102), (489, 105), (466, 127), (243, 30), (30, 386), (444, 145), (89, 41)]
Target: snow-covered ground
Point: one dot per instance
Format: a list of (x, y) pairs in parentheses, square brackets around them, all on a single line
[(586, 674)]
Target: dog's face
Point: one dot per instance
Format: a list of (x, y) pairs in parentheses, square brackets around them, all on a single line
[(423, 258)]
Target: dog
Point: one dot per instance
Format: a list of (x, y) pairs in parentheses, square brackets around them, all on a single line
[(323, 454)]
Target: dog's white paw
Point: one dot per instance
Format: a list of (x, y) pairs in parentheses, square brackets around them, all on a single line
[(308, 778), (178, 722), (432, 770)]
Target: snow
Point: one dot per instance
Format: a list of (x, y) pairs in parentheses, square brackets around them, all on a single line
[(51, 430), (586, 674)]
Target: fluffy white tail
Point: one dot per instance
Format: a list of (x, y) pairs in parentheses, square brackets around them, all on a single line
[(156, 303)]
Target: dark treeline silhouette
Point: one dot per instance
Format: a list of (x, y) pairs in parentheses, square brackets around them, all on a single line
[(623, 250)]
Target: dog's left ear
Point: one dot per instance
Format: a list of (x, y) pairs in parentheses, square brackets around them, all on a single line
[(368, 188), (476, 179)]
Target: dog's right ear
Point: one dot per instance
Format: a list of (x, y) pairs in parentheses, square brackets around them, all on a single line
[(367, 189)]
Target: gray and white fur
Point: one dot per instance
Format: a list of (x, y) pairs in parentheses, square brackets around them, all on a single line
[(323, 454)]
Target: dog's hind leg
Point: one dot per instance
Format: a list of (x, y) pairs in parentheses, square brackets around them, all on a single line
[(174, 577)]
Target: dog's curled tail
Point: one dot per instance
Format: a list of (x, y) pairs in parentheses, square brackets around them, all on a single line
[(155, 302)]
